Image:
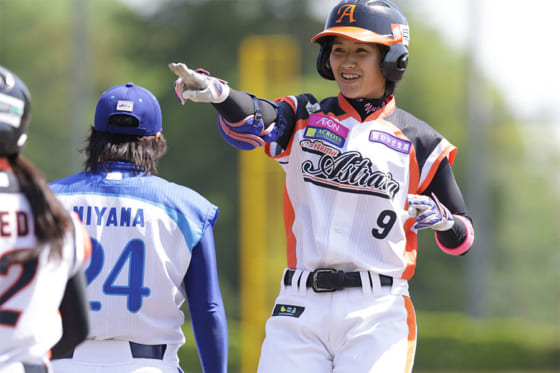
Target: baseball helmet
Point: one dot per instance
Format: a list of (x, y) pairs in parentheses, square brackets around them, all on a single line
[(15, 113), (367, 21)]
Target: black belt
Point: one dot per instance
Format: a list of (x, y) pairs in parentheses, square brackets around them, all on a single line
[(329, 279), (34, 368), (140, 351)]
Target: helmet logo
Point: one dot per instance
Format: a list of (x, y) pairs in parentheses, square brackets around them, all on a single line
[(397, 33), (11, 110), (400, 34), (346, 10)]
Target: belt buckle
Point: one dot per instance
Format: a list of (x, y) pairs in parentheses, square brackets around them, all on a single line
[(314, 282)]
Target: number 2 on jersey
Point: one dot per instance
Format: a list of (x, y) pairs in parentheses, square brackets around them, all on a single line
[(10, 317), (133, 254)]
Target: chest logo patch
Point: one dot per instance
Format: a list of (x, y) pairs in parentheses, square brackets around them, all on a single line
[(390, 141), (325, 128)]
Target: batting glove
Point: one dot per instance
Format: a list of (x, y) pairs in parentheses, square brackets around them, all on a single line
[(197, 85), (429, 212)]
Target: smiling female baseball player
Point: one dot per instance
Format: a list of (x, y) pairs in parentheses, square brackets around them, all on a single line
[(354, 165), (42, 251), (153, 243)]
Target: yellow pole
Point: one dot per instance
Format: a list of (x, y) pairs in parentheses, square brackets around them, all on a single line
[(269, 65)]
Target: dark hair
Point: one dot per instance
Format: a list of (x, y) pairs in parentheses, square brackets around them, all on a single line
[(52, 221), (142, 151)]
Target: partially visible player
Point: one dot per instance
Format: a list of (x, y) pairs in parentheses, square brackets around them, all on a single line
[(354, 165), (153, 244), (43, 249)]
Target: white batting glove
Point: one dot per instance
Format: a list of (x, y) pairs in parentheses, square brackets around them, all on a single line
[(429, 213), (198, 85)]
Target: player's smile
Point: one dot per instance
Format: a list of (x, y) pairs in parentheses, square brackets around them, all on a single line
[(356, 69), (348, 83), (350, 77)]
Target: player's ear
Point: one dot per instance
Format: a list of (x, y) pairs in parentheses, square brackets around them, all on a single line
[(158, 136)]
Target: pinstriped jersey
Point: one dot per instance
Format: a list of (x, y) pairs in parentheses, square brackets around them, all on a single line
[(347, 181), (30, 293), (143, 230)]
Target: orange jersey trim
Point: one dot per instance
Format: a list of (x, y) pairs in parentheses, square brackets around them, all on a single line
[(289, 218), (414, 173), (410, 250), (411, 322), (5, 165), (450, 153)]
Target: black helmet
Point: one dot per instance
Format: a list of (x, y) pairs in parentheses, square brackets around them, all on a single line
[(15, 113), (367, 21)]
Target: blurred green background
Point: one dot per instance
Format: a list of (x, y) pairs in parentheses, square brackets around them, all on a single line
[(496, 309)]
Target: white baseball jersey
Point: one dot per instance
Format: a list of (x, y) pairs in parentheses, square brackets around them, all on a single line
[(143, 230), (347, 183), (30, 293)]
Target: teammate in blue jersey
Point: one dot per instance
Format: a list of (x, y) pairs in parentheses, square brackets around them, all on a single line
[(152, 245)]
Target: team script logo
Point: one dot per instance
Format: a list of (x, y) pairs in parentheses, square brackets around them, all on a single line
[(347, 172)]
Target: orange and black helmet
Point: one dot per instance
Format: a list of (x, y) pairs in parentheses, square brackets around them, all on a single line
[(367, 21)]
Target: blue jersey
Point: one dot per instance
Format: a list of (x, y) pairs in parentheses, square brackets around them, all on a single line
[(144, 229)]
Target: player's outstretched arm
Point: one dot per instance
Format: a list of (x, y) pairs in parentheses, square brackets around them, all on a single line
[(206, 306), (245, 122)]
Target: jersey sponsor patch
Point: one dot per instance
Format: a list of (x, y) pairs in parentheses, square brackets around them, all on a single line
[(324, 121), (324, 134), (325, 128), (390, 141), (287, 310)]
